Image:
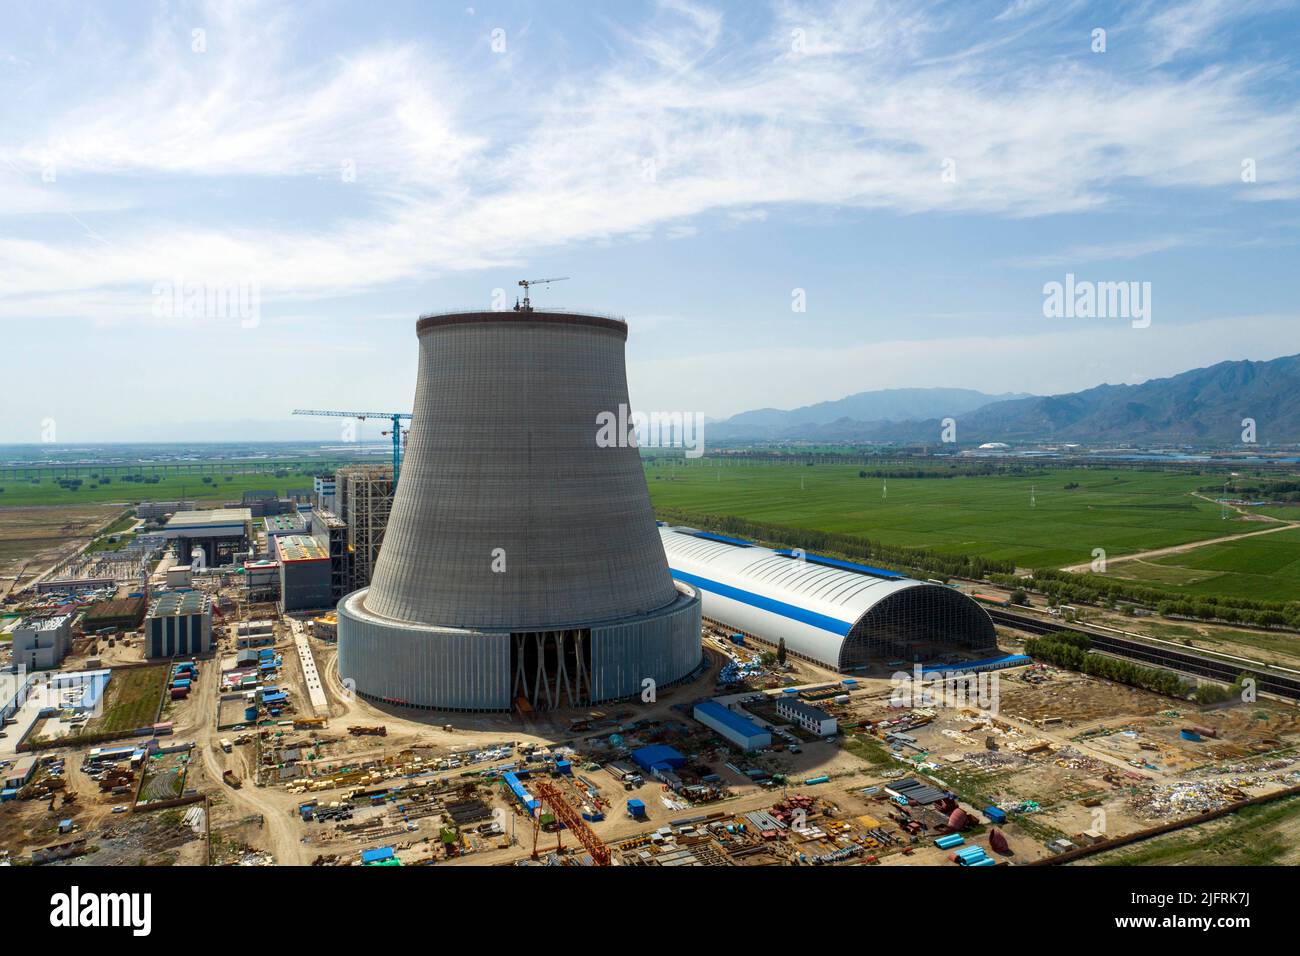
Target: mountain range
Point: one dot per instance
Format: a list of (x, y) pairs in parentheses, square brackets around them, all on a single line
[(1204, 406), (887, 406)]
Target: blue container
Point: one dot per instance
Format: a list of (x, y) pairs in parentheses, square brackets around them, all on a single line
[(995, 814), (250, 713)]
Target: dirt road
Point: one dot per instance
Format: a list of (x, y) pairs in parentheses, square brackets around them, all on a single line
[(1184, 548)]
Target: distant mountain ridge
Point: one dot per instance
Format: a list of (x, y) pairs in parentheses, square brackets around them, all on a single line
[(881, 406), (1200, 406)]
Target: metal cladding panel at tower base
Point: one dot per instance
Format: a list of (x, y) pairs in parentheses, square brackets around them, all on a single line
[(423, 667), (509, 514)]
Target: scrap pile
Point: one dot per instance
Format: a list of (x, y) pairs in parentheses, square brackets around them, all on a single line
[(1183, 799)]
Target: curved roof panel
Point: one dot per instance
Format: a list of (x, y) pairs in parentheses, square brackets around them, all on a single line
[(822, 610)]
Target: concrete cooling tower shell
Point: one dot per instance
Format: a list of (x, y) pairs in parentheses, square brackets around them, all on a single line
[(521, 564)]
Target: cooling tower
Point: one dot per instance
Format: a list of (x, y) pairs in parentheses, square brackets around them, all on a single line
[(521, 565)]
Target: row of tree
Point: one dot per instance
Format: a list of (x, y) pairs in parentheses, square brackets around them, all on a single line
[(1072, 652), (1064, 587)]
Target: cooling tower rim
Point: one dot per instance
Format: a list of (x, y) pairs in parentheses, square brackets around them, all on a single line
[(435, 320)]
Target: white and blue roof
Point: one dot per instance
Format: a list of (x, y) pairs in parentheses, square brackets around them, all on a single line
[(811, 602)]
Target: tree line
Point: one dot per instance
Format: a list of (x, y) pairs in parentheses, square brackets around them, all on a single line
[(1073, 652), (1065, 587), (892, 557)]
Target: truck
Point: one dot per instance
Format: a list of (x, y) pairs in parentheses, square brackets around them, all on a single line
[(229, 778), (225, 745)]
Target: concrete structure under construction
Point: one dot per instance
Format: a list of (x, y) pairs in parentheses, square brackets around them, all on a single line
[(835, 613), (521, 566), (179, 624), (304, 574), (324, 492), (41, 642), (151, 510), (331, 533), (365, 496)]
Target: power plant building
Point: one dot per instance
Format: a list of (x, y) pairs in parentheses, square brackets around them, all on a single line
[(835, 613), (41, 642), (521, 566), (221, 534), (365, 496), (179, 624), (304, 574)]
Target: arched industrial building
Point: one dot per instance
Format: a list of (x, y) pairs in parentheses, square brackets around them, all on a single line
[(834, 613)]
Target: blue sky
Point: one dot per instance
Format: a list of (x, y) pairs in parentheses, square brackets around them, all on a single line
[(689, 165)]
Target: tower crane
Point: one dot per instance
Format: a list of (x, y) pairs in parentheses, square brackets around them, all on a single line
[(527, 305), (395, 417)]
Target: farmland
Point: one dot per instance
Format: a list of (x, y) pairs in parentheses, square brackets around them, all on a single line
[(1035, 520), (1257, 568), (99, 486)]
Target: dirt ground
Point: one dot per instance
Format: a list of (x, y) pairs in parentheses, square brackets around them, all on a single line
[(1061, 752), (34, 539)]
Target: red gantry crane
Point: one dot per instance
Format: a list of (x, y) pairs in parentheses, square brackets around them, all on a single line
[(564, 812)]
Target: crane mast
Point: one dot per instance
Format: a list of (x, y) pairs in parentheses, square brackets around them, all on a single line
[(527, 305)]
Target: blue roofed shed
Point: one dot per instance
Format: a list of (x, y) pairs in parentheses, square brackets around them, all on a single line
[(658, 755), (377, 855)]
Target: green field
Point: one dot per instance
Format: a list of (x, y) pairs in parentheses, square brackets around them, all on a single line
[(171, 486), (1265, 567), (131, 700), (1122, 511)]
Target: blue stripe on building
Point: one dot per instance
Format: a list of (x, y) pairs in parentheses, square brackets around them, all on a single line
[(822, 621)]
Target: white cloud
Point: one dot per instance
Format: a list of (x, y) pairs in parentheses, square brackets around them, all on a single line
[(864, 118)]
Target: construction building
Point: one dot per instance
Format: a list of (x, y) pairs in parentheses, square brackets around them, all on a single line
[(741, 731), (120, 614), (220, 534), (42, 641), (152, 510), (810, 718), (324, 494), (261, 581), (331, 533), (179, 624), (304, 574), (365, 496), (522, 567), (290, 523), (835, 613)]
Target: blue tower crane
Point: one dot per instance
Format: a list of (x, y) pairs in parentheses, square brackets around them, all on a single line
[(395, 417)]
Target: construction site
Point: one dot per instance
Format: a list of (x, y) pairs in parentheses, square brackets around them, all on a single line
[(456, 659)]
